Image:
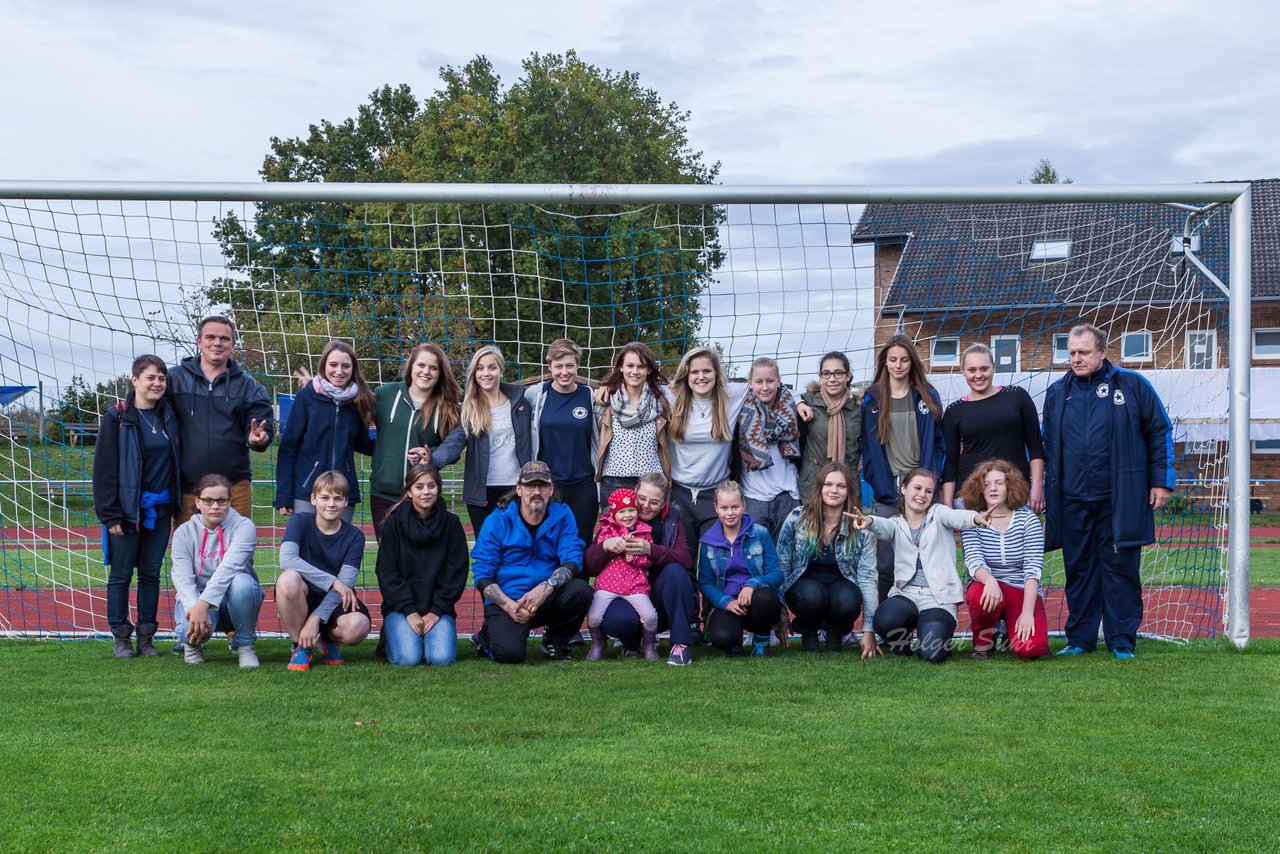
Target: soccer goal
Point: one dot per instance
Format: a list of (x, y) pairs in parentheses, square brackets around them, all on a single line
[(94, 274)]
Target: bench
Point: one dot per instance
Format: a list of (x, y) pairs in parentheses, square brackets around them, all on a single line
[(61, 487), (14, 432), (80, 434)]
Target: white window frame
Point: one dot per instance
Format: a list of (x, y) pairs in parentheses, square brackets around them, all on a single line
[(1253, 447), (1049, 249), (1148, 356), (1017, 354), (1213, 348), (1065, 359), (945, 362), (1264, 356)]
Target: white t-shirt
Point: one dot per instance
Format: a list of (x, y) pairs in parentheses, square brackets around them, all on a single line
[(504, 466), (765, 484)]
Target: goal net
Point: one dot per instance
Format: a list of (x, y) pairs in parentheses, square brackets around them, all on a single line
[(88, 284)]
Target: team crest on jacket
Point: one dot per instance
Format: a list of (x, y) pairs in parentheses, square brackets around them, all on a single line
[(1104, 390), (1118, 398), (923, 407), (579, 412)]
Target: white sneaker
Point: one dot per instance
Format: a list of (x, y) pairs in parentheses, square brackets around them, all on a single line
[(248, 657), (193, 653)]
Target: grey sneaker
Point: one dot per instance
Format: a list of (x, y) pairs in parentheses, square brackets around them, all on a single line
[(680, 655), (248, 657), (193, 653)]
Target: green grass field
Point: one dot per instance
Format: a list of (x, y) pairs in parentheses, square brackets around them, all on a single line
[(1171, 751)]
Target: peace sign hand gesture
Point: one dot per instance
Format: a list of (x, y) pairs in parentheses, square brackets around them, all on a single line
[(860, 522), (258, 432)]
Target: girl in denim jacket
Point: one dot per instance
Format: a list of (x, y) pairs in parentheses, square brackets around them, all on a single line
[(739, 574)]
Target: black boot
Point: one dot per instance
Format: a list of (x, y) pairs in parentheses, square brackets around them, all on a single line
[(124, 640), (809, 641), (146, 631)]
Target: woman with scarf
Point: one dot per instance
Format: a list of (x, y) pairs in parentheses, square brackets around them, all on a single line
[(328, 423), (633, 414), (831, 412), (769, 443), (135, 490), (422, 570)]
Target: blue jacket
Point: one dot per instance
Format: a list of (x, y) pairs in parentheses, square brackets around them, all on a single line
[(1141, 456), (117, 463), (321, 435), (505, 554), (875, 462), (713, 560)]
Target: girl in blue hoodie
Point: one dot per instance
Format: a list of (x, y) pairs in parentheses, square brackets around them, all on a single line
[(329, 422), (739, 574)]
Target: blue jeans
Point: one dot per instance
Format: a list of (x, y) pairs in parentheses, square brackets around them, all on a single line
[(238, 613), (143, 550), (405, 648)]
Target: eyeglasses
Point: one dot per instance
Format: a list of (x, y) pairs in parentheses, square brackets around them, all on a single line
[(833, 375), (648, 502), (214, 502)]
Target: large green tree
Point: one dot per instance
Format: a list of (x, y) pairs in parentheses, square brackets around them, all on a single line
[(462, 274)]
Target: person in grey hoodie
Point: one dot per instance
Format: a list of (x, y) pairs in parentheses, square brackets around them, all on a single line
[(217, 589)]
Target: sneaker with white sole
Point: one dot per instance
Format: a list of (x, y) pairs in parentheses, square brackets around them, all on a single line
[(680, 655), (248, 657), (193, 653)]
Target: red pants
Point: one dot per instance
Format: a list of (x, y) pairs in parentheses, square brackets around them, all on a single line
[(984, 621)]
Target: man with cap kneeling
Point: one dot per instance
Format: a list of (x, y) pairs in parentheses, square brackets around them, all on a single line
[(526, 563)]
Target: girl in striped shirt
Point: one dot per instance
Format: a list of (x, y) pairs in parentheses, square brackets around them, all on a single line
[(1004, 562)]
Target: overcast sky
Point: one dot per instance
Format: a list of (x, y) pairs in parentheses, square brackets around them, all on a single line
[(853, 92), (905, 92)]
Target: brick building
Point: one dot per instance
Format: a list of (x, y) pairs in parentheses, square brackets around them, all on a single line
[(1017, 277)]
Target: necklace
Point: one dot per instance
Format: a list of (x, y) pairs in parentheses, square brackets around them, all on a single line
[(152, 422)]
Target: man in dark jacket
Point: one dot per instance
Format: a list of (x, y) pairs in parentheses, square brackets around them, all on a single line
[(222, 412), (1109, 467)]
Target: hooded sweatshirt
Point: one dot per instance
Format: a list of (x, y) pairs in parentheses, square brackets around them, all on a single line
[(205, 561), (422, 563), (214, 417)]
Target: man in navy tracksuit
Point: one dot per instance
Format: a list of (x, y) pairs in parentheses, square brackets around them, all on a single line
[(1108, 468)]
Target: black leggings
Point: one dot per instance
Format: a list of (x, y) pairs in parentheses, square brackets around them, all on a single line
[(583, 501), (897, 617), (724, 630), (835, 603)]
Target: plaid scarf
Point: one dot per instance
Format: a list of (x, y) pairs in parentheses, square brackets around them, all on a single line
[(761, 425)]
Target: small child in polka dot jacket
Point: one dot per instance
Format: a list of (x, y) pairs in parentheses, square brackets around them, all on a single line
[(624, 576)]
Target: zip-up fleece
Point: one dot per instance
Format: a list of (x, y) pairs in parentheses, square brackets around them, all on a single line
[(117, 464), (214, 418), (321, 435), (207, 576), (399, 429), (476, 470), (506, 554)]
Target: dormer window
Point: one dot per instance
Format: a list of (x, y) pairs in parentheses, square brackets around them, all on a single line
[(1050, 250)]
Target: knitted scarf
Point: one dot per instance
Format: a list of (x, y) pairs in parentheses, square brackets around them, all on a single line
[(761, 425), (324, 388), (835, 424), (630, 417)]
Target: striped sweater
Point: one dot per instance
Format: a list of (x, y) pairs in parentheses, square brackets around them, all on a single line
[(1014, 556)]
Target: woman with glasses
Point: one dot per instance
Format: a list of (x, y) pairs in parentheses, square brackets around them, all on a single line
[(831, 422), (217, 589)]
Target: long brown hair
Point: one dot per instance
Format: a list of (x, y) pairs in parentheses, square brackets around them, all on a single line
[(916, 378), (444, 396), (613, 380), (811, 516), (475, 406), (918, 471), (683, 402), (364, 397)]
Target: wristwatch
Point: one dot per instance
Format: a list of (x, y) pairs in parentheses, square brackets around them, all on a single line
[(552, 581)]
